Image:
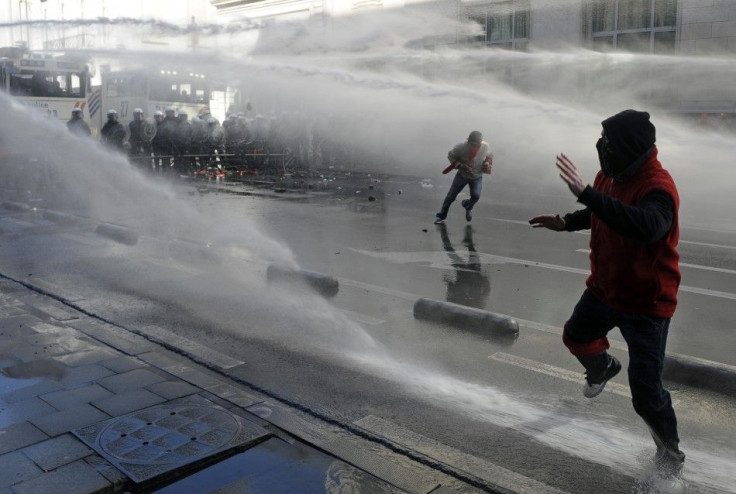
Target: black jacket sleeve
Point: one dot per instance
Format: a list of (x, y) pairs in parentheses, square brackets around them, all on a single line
[(579, 220), (648, 221)]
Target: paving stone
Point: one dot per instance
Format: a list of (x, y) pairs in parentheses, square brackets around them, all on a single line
[(130, 401), (55, 309), (118, 338), (53, 453), (85, 374), (123, 363), (45, 368), (76, 477), (70, 398), (164, 359), (21, 411), (16, 467), (131, 380), (6, 360), (172, 389), (29, 352), (43, 327), (235, 395), (66, 420), (17, 325), (36, 389), (199, 378), (19, 435), (107, 470), (93, 356), (37, 339)]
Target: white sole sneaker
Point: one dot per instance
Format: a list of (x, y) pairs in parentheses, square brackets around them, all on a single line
[(593, 390)]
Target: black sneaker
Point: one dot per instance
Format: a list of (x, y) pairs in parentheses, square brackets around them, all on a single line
[(468, 212), (594, 384)]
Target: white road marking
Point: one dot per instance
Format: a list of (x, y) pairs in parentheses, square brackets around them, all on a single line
[(587, 232), (460, 460), (553, 371), (720, 246), (684, 264), (358, 317), (433, 259)]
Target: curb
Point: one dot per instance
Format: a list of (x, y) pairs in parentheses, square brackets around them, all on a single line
[(16, 206), (61, 218), (327, 286), (700, 373), (480, 321), (119, 233)]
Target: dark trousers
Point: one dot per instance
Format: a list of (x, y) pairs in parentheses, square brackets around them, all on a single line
[(458, 183), (585, 335)]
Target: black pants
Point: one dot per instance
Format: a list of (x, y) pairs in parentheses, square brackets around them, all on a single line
[(646, 336)]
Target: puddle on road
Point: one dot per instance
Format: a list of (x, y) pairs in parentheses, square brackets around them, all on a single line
[(276, 466), (38, 368)]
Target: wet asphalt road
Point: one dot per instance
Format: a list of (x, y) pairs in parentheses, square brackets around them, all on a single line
[(361, 357)]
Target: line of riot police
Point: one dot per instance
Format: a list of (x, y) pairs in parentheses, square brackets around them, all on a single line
[(172, 142)]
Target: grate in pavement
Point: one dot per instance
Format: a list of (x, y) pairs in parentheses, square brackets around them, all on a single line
[(147, 444)]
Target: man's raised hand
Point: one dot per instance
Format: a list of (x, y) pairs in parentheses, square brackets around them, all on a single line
[(570, 175)]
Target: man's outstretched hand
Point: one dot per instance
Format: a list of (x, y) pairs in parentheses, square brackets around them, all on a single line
[(550, 221), (570, 175)]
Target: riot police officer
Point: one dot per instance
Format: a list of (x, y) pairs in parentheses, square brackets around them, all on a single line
[(113, 132)]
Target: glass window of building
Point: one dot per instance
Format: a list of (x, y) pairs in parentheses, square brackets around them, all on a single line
[(643, 26), (505, 24)]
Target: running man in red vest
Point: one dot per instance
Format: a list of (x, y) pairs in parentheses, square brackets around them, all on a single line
[(632, 213)]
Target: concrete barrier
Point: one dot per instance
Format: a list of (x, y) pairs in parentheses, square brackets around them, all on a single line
[(468, 318), (118, 233), (322, 283), (193, 253), (700, 373), (16, 206), (61, 218)]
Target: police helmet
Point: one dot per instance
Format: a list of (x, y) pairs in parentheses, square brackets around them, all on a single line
[(111, 111), (170, 109), (137, 110), (158, 113), (182, 114), (76, 111)]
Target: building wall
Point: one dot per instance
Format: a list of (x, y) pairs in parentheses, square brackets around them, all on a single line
[(556, 26), (707, 26), (703, 28)]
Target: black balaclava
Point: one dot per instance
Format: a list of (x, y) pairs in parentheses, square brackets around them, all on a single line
[(630, 137)]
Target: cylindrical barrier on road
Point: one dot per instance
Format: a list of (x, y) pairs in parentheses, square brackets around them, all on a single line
[(16, 206), (712, 376), (322, 283), (119, 233), (193, 253), (469, 318), (61, 218)]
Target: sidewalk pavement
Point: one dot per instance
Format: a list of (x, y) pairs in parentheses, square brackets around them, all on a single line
[(88, 407)]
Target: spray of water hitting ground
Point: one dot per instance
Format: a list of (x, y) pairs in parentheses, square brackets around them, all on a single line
[(372, 83)]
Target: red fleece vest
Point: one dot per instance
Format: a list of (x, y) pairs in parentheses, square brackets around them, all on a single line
[(629, 275)]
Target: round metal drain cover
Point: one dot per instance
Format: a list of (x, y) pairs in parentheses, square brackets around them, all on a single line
[(168, 434)]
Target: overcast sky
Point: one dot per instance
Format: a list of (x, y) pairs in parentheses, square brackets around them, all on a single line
[(172, 11), (176, 11)]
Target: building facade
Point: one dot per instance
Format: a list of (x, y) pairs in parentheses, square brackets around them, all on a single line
[(682, 28)]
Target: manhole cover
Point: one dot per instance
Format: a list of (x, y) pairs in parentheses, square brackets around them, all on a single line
[(157, 440)]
